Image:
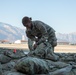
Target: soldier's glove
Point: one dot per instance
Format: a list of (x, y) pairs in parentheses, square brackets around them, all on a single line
[(34, 46), (36, 40)]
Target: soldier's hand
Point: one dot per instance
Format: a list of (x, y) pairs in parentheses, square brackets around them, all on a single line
[(35, 45), (37, 40)]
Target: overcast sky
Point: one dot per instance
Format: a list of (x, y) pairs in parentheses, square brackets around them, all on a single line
[(59, 14)]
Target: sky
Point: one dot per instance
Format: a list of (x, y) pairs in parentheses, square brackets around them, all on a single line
[(59, 14)]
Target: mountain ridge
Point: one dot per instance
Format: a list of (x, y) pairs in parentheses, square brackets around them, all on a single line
[(12, 33), (9, 32)]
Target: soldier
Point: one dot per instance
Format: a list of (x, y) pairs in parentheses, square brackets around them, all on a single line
[(39, 32)]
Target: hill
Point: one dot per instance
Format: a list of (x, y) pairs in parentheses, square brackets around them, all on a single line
[(12, 33), (71, 37), (9, 32)]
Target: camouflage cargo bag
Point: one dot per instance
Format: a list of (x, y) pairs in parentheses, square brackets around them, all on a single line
[(32, 66)]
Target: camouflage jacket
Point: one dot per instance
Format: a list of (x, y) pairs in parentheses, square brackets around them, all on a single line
[(40, 30)]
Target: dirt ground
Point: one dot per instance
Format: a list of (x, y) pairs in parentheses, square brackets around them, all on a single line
[(59, 48)]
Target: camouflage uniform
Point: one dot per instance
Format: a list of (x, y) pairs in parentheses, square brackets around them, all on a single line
[(43, 32)]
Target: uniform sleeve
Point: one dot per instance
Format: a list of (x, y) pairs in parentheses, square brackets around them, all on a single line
[(43, 30), (32, 37)]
